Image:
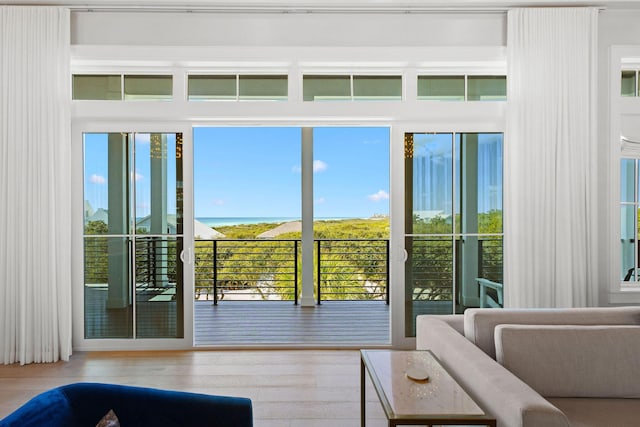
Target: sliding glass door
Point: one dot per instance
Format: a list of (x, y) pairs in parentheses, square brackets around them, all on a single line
[(453, 223), (133, 235)]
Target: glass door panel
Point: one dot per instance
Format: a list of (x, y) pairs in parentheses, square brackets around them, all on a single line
[(107, 296), (431, 172), (429, 183), (133, 235), (158, 287), (428, 277), (453, 223)]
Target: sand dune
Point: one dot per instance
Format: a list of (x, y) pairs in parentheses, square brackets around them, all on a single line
[(287, 227)]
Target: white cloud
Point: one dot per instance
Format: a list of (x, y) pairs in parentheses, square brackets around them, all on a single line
[(143, 138), (319, 166), (139, 176), (97, 179), (218, 202), (380, 195), (319, 200)]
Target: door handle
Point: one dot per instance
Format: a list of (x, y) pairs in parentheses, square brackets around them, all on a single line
[(186, 253)]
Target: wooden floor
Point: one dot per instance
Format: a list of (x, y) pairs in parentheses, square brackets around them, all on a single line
[(345, 324), (288, 388)]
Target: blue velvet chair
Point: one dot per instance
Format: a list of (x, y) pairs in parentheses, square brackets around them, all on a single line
[(84, 404)]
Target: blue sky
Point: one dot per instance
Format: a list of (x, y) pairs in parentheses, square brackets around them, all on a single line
[(255, 172), (436, 156), (96, 171), (241, 172)]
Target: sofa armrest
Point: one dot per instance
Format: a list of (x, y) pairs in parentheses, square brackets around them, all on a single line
[(50, 408), (494, 388), (456, 321)]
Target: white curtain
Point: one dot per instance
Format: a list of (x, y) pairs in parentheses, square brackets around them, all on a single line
[(550, 164), (35, 210)]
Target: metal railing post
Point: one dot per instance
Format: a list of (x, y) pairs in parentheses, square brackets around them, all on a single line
[(215, 272), (318, 273), (387, 271), (295, 272)]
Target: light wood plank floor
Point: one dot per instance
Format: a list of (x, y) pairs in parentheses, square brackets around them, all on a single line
[(293, 388)]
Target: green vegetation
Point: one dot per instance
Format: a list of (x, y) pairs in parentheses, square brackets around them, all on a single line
[(353, 258), (376, 228), (488, 223), (353, 266), (432, 257), (95, 253)]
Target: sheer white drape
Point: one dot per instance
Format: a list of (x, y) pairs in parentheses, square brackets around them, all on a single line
[(550, 169), (35, 209)]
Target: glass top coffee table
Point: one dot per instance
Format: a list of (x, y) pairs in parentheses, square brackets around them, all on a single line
[(438, 400)]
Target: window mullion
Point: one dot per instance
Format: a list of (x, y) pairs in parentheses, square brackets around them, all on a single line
[(351, 84), (454, 258), (636, 204)]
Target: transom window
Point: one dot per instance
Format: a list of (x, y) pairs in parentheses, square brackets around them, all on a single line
[(352, 88), (315, 87), (462, 88), (236, 87), (116, 87), (629, 83)]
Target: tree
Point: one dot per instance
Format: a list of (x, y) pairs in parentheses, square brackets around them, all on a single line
[(96, 264)]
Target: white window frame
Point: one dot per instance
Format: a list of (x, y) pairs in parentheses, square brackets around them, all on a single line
[(79, 341), (623, 110), (465, 76)]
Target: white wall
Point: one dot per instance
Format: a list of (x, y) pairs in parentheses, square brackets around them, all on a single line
[(288, 29)]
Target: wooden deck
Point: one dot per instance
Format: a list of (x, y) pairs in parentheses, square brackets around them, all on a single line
[(344, 324)]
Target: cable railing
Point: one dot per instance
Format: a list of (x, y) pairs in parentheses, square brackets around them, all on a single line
[(352, 269), (246, 269), (435, 266), (260, 269), (345, 269)]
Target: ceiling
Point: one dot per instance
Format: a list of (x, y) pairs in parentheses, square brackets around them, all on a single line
[(306, 6)]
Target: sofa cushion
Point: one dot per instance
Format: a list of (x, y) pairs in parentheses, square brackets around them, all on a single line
[(480, 323), (573, 361), (585, 412)]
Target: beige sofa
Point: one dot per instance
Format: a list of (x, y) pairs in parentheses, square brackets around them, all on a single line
[(543, 368)]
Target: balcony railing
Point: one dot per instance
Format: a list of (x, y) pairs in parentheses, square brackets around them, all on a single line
[(246, 269), (432, 261), (346, 269)]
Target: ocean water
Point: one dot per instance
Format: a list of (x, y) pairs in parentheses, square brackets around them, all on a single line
[(228, 221)]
